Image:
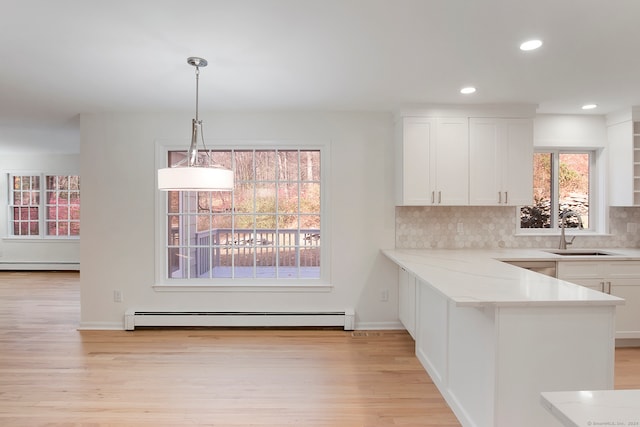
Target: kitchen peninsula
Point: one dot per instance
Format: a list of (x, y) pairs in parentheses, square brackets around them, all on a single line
[(493, 336)]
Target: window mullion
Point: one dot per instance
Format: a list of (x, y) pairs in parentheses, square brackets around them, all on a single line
[(42, 205), (555, 189), (277, 217)]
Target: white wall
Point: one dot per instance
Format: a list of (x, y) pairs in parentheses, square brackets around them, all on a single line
[(564, 131), (118, 229), (34, 253)]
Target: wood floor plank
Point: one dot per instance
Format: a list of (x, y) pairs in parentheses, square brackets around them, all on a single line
[(51, 374)]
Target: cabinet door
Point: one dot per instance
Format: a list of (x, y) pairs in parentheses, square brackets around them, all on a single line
[(518, 163), (568, 270), (407, 301), (484, 171), (432, 318), (452, 161), (619, 278), (403, 284), (595, 284), (501, 161), (415, 185), (627, 315), (621, 161)]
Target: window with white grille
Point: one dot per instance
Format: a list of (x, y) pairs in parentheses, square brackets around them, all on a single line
[(52, 210), (562, 189), (268, 227)]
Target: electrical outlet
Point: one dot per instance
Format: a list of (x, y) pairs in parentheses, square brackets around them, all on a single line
[(117, 296), (384, 295)]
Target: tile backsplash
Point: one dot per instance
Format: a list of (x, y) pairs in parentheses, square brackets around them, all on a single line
[(478, 227)]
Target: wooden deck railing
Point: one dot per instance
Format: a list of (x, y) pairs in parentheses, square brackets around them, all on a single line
[(260, 247)]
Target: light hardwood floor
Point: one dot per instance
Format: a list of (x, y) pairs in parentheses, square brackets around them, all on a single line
[(51, 374)]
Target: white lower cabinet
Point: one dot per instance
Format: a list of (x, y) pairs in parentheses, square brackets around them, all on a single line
[(491, 362), (618, 278), (432, 339), (407, 301)]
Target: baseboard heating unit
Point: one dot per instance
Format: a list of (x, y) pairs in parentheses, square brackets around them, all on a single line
[(134, 318)]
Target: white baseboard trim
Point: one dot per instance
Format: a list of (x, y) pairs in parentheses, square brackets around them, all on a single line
[(31, 266), (134, 317), (361, 326)]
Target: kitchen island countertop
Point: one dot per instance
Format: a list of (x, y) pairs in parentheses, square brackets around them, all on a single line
[(478, 277)]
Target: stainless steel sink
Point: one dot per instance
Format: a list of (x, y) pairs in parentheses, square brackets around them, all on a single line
[(580, 252)]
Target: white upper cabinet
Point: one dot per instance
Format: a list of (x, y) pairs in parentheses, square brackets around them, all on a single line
[(501, 161), (624, 163), (432, 161)]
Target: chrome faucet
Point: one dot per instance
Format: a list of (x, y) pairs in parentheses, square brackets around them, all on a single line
[(563, 224)]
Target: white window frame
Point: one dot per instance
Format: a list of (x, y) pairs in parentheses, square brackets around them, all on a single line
[(597, 217), (42, 206), (164, 283)]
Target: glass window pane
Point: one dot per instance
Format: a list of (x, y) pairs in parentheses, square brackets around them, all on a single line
[(265, 165), (221, 158), (288, 198), (243, 165), (74, 228), (310, 222), (244, 222), (265, 221), (215, 201), (55, 197), (53, 229), (310, 165), (203, 226), (311, 238), (265, 198), (243, 198), (244, 261), (173, 201), (288, 165), (310, 198), (288, 222), (573, 185), (266, 257), (539, 214), (222, 225)]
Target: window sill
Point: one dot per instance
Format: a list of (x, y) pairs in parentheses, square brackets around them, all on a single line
[(41, 239), (556, 233), (242, 287)]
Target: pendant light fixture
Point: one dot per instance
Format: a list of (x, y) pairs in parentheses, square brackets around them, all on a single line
[(196, 174)]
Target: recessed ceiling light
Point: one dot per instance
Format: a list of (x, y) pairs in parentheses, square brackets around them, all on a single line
[(467, 90), (589, 106), (531, 45)]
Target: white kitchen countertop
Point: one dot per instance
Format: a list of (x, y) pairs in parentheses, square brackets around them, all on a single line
[(594, 408), (477, 278)]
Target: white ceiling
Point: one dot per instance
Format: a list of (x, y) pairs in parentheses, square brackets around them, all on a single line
[(65, 57)]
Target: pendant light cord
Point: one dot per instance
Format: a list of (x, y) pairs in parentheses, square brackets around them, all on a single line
[(197, 89)]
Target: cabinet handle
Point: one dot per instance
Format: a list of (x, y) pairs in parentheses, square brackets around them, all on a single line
[(433, 196), (609, 291), (439, 197), (506, 197), (499, 197), (602, 287)]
